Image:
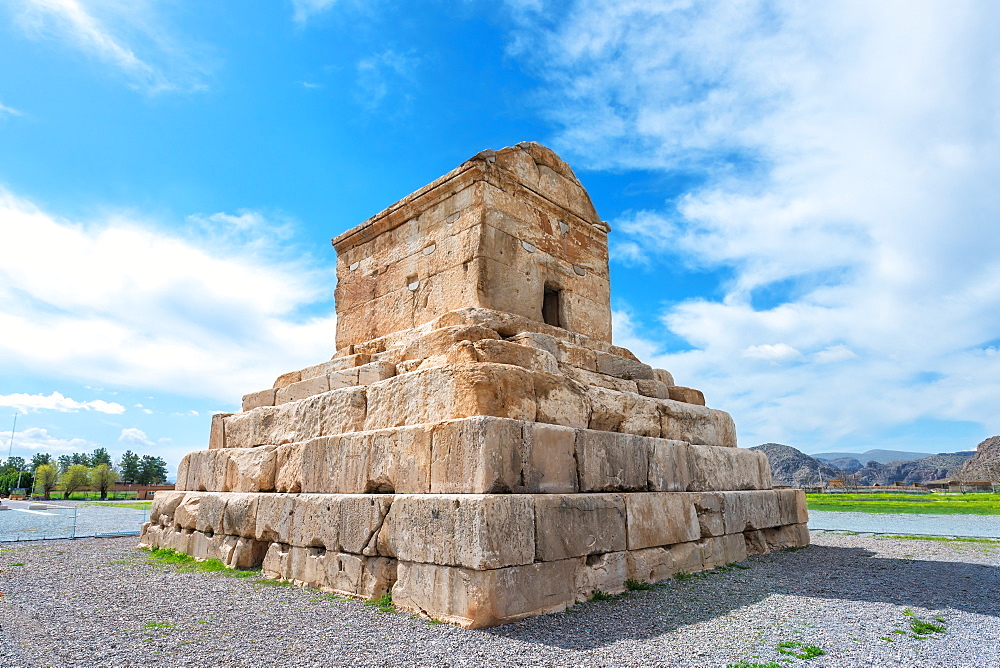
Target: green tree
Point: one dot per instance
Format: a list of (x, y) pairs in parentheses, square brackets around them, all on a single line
[(100, 456), (102, 477), (129, 467), (65, 461), (15, 464), (46, 476), (40, 458), (75, 477), (152, 470), (81, 459)]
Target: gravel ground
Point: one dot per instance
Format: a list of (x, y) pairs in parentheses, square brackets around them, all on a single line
[(97, 602)]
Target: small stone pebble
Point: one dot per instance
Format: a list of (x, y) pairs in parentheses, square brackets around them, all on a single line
[(847, 600)]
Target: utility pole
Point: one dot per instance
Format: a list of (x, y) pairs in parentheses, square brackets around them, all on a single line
[(11, 448)]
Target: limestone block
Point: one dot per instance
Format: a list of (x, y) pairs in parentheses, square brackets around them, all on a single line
[(653, 388), (333, 412), (756, 542), (249, 469), (743, 511), (373, 372), (593, 379), (477, 599), (480, 455), (290, 468), (302, 389), (575, 525), (573, 355), (601, 572), (663, 376), (337, 364), (696, 424), (623, 412), (611, 462), (399, 461), (623, 367), (186, 512), (477, 531), (659, 563), (164, 505), (177, 539), (286, 379), (550, 462), (709, 506), (786, 536), (343, 378), (431, 395), (721, 468), (210, 513), (660, 518), (257, 399), (338, 522), (246, 553), (722, 550), (561, 401), (669, 466), (509, 352), (791, 506), (546, 342), (239, 518), (342, 411), (274, 517), (181, 481), (686, 394), (439, 340), (391, 460), (217, 435)]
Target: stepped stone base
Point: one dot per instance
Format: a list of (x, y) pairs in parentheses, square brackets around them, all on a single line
[(477, 559), (476, 445)]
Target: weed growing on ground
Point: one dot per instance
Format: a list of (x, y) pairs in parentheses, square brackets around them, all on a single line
[(745, 664), (187, 563), (796, 548), (683, 577), (799, 649), (158, 625), (383, 603), (598, 595), (268, 582), (636, 585), (17, 564)]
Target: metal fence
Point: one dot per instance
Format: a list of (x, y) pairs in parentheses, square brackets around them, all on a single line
[(44, 521)]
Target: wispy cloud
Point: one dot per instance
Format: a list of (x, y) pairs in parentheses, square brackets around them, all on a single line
[(385, 78), (111, 33), (9, 111), (304, 9), (847, 169), (57, 402), (40, 440), (117, 302)]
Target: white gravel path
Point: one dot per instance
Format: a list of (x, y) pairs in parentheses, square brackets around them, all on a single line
[(98, 602)]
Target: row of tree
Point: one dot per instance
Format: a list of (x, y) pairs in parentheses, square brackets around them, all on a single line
[(68, 473)]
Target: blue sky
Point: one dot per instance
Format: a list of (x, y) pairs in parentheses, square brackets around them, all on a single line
[(803, 197)]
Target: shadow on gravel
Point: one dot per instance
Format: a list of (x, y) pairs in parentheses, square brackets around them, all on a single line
[(852, 574)]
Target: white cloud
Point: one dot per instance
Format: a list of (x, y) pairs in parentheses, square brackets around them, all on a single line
[(115, 303), (40, 440), (307, 8), (57, 402), (111, 33), (134, 437), (777, 352), (848, 156), (386, 76), (9, 111)]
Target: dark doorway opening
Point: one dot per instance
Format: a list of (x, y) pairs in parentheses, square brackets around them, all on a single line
[(551, 307)]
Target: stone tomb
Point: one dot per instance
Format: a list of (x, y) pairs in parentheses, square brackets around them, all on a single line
[(477, 446)]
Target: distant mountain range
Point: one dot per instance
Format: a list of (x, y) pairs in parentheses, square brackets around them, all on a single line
[(985, 464), (880, 456), (884, 467)]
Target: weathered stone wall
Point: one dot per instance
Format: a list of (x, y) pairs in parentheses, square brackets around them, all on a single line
[(457, 450)]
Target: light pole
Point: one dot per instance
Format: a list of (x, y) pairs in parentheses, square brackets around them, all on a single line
[(11, 449)]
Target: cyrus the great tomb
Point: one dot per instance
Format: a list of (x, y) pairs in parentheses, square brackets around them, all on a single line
[(476, 445)]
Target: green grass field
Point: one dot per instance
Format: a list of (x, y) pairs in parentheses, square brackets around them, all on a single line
[(929, 504)]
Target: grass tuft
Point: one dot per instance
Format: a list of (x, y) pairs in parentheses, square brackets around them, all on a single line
[(598, 595), (636, 585), (799, 649), (383, 603)]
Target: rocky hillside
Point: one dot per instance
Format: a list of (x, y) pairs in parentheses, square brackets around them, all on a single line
[(985, 464), (934, 467), (791, 467)]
